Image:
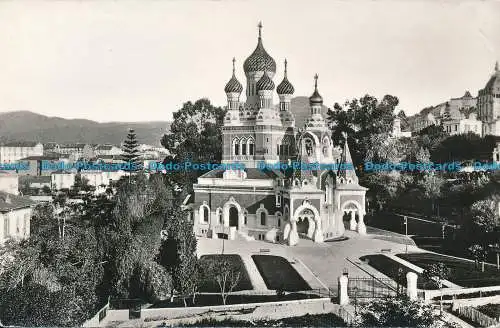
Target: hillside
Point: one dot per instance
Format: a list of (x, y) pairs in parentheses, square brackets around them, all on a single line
[(28, 126)]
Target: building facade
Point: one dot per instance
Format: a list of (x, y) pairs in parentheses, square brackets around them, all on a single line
[(14, 151), (489, 104), (266, 200), (9, 182), (457, 116), (15, 216)]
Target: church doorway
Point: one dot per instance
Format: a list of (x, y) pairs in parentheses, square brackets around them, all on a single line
[(306, 224), (233, 217), (302, 225)]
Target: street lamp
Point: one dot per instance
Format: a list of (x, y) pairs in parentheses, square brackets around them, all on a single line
[(406, 234)]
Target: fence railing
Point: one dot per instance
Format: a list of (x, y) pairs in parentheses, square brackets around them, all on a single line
[(373, 287), (476, 316)]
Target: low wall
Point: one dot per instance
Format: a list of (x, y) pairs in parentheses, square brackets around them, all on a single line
[(95, 320), (271, 310), (429, 294), (474, 302)]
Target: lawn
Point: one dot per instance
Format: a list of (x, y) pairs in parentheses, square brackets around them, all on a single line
[(213, 287), (390, 268), (279, 274), (462, 272), (308, 320)]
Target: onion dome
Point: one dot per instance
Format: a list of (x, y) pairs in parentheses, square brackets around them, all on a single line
[(316, 97), (285, 87), (265, 83), (233, 85), (259, 60)]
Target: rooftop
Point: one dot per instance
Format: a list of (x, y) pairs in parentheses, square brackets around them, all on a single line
[(9, 202)]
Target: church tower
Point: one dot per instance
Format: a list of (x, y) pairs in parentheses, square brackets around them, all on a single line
[(258, 63)]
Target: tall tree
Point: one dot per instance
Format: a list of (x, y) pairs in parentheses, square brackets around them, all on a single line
[(131, 151), (362, 119), (195, 136), (224, 272), (431, 186)]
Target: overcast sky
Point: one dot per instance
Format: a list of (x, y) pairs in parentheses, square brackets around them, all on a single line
[(140, 60)]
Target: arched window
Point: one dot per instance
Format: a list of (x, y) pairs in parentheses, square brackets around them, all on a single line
[(236, 146), (220, 217), (251, 146), (262, 218), (279, 222), (243, 147), (309, 147), (204, 213)]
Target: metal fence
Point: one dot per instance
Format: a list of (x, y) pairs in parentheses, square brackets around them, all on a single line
[(373, 288), (476, 316)]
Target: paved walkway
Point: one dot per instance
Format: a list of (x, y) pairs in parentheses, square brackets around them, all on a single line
[(253, 273), (320, 263)]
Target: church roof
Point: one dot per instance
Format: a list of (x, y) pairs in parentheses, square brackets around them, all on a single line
[(348, 172), (233, 85), (285, 87), (316, 97), (252, 173), (259, 60), (265, 83)]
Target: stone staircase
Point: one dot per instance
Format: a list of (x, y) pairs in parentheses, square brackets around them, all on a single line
[(242, 234)]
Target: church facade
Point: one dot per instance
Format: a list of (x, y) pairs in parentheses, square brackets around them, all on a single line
[(296, 183)]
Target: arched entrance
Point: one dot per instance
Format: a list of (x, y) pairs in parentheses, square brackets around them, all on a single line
[(353, 215), (233, 217), (306, 221)]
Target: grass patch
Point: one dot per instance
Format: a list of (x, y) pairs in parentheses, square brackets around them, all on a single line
[(278, 273), (210, 286), (308, 320), (390, 268), (462, 272)]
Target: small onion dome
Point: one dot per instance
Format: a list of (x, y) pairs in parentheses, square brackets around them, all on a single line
[(233, 85), (285, 87), (259, 60), (316, 97), (265, 83)]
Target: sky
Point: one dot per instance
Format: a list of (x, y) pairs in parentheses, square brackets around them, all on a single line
[(141, 60)]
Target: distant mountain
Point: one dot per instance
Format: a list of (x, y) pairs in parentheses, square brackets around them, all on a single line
[(301, 110), (28, 126)]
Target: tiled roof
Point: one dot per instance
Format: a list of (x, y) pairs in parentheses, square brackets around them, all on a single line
[(41, 158), (21, 144), (10, 202), (252, 173), (75, 145), (104, 147)]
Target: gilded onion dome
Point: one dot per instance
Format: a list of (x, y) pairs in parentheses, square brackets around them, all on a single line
[(233, 85), (285, 87), (316, 97), (265, 83), (259, 60)]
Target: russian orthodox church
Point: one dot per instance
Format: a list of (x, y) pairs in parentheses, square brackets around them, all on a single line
[(276, 203)]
